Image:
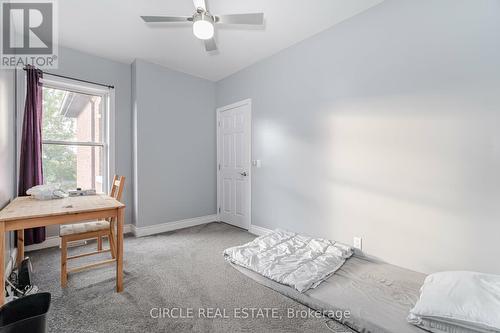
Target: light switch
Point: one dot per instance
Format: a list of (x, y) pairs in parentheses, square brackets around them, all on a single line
[(257, 163)]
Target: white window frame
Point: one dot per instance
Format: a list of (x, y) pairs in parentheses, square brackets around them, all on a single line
[(107, 95)]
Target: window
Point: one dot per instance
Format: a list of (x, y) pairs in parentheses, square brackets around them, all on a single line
[(75, 145)]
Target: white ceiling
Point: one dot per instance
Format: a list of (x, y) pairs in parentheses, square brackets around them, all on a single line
[(113, 29)]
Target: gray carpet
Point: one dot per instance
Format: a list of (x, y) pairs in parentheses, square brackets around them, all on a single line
[(180, 269)]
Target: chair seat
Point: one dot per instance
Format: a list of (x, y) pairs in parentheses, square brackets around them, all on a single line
[(80, 228)]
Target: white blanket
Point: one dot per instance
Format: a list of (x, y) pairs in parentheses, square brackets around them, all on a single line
[(297, 261)]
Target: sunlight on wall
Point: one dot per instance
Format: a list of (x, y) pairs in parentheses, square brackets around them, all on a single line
[(6, 137), (409, 165), (3, 124)]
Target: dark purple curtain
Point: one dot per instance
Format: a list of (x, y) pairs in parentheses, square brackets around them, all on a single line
[(30, 164)]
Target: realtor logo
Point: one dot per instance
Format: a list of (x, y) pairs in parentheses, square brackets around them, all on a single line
[(28, 34)]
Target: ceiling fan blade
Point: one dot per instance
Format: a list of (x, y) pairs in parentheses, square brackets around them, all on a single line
[(251, 19), (154, 19), (200, 4), (210, 45)]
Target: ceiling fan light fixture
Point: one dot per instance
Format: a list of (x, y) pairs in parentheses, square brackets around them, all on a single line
[(204, 23), (203, 27)]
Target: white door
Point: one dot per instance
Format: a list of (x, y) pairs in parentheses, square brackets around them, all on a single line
[(233, 155)]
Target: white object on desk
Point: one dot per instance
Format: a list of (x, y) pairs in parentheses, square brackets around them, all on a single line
[(78, 193), (46, 192)]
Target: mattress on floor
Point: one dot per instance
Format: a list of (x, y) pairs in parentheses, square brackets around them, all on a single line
[(378, 296)]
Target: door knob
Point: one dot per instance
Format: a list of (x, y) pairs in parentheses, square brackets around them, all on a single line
[(244, 173)]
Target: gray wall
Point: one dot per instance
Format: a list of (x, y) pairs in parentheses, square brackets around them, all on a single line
[(7, 144), (174, 117), (385, 127), (88, 67)]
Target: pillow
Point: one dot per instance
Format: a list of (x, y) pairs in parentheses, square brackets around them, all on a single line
[(455, 302)]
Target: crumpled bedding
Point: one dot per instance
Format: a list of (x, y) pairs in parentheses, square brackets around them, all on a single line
[(291, 259)]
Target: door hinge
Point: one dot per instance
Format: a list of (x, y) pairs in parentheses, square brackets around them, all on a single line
[(219, 166), (219, 123), (219, 210)]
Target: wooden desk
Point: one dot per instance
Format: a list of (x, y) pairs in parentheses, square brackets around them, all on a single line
[(25, 212)]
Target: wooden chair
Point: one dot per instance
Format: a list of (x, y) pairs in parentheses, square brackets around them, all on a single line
[(90, 230)]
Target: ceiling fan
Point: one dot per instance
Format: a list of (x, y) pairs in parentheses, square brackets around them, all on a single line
[(203, 22)]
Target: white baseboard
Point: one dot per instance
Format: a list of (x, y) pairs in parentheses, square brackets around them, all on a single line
[(170, 226), (127, 229), (51, 241), (259, 231), (54, 241)]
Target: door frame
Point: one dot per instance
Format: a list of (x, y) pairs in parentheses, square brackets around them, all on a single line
[(219, 110)]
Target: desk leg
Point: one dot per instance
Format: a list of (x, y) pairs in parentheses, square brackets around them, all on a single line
[(119, 249), (2, 263), (20, 247)]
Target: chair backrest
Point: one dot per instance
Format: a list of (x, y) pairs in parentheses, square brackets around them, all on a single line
[(116, 192), (117, 187)]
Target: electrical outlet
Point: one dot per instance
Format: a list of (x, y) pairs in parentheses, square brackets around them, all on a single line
[(257, 163), (358, 243)]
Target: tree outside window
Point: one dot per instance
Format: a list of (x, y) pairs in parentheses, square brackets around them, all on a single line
[(72, 131)]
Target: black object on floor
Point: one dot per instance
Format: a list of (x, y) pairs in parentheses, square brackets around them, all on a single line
[(26, 314), (24, 275)]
